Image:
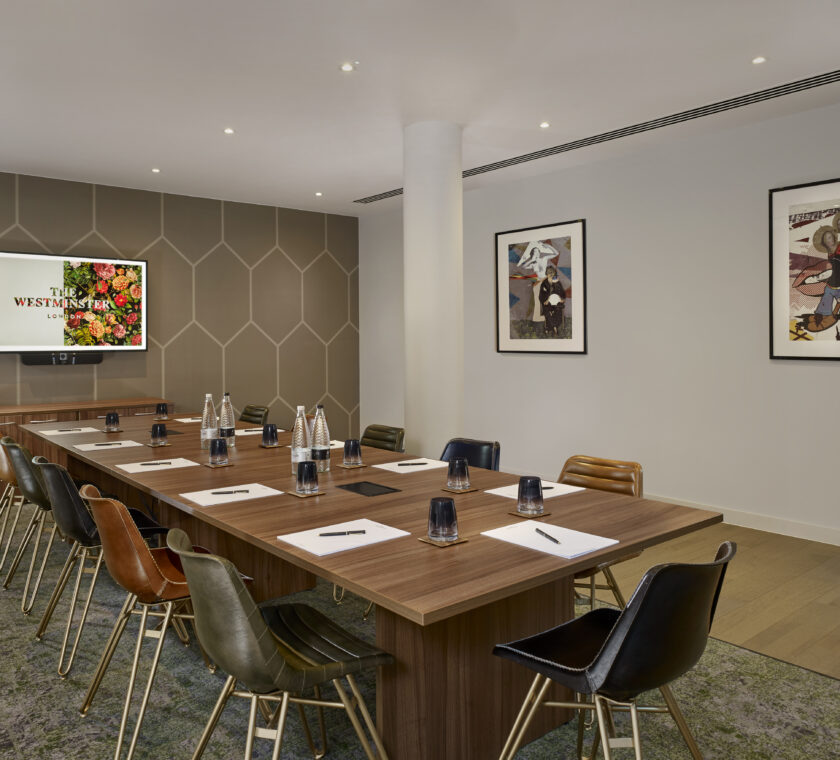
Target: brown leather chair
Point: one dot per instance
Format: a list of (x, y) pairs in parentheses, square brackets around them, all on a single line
[(152, 577), (612, 475), (11, 498)]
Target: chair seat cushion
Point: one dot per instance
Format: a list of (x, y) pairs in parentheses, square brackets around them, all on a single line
[(563, 653), (314, 638)]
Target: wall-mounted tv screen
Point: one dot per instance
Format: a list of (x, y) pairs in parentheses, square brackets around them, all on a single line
[(71, 304)]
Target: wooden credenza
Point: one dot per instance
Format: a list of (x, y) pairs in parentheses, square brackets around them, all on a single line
[(71, 411)]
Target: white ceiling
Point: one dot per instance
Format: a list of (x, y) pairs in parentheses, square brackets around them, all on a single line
[(104, 90)]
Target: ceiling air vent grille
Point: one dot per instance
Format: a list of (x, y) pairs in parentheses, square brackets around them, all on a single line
[(645, 126)]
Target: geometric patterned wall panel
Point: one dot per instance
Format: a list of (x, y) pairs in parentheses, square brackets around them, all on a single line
[(257, 300)]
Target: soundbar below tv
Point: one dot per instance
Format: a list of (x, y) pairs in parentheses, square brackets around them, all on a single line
[(71, 309)]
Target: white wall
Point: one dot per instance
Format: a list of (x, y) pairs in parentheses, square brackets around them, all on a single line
[(677, 376)]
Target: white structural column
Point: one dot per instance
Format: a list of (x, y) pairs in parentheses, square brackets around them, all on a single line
[(433, 290)]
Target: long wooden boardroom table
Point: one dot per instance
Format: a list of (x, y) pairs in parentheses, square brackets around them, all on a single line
[(439, 611)]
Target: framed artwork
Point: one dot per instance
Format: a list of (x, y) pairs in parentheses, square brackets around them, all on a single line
[(541, 289), (805, 271)]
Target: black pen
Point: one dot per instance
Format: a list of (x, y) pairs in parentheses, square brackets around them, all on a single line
[(107, 444), (547, 488), (546, 535), (251, 430), (149, 464), (343, 533), (411, 464), (67, 430), (238, 490)]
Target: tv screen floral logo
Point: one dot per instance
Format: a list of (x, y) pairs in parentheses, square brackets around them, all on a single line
[(116, 294)]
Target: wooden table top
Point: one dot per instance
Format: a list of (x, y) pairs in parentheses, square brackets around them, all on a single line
[(415, 580)]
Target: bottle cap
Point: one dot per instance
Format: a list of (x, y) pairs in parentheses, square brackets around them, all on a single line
[(320, 406)]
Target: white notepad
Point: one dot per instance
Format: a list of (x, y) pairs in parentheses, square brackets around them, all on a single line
[(549, 489), (104, 446), (175, 463), (421, 464), (333, 444), (211, 496), (312, 542), (70, 430), (188, 419), (572, 543)]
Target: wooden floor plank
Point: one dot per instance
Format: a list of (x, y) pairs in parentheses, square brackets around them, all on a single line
[(781, 596)]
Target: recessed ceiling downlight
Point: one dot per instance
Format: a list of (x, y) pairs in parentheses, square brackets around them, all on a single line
[(155, 170), (544, 125), (349, 66), (759, 59), (228, 130)]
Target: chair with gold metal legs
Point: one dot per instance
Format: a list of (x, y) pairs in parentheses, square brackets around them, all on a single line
[(33, 491), (276, 651), (612, 656), (615, 476), (75, 522), (152, 578), (11, 498)]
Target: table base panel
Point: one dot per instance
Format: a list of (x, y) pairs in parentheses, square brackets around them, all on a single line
[(447, 696)]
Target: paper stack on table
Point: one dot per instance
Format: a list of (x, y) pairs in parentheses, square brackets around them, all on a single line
[(314, 542), (227, 494), (69, 430), (549, 489), (158, 464), (569, 543), (106, 445), (412, 465)]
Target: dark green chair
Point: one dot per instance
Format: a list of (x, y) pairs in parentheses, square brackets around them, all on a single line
[(276, 651), (254, 414), (384, 437)]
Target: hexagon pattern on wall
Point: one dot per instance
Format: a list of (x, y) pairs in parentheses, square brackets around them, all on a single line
[(256, 300)]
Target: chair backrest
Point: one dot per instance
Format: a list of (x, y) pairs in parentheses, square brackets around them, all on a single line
[(603, 474), (384, 437), (69, 510), (662, 632), (27, 479), (254, 414), (229, 624), (484, 454), (148, 573), (7, 472)]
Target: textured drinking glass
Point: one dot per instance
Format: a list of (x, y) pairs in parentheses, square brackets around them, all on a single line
[(443, 523), (530, 500), (459, 474), (307, 477), (112, 422), (269, 434), (162, 411), (352, 452), (218, 451), (158, 434)]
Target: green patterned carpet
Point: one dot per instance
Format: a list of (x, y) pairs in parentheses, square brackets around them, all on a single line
[(741, 705)]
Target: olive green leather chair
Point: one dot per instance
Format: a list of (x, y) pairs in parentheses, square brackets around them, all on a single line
[(254, 414), (276, 651), (384, 437)]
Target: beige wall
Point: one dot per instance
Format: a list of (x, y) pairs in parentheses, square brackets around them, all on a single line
[(257, 300)]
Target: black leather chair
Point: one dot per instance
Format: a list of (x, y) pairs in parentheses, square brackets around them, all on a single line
[(384, 437), (75, 522), (254, 414), (274, 650), (615, 655), (31, 488), (484, 454)]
